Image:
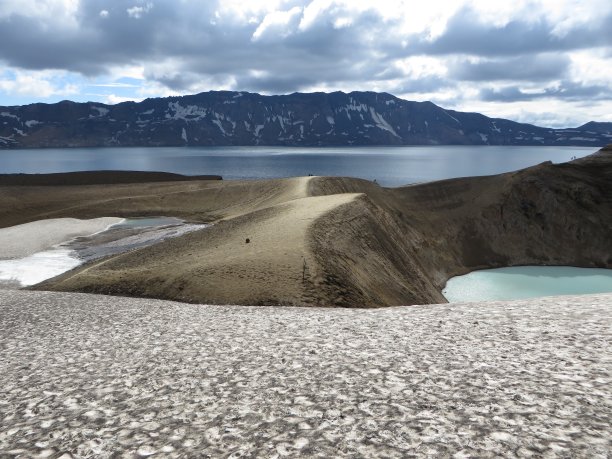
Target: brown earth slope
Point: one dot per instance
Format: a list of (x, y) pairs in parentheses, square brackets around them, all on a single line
[(329, 241)]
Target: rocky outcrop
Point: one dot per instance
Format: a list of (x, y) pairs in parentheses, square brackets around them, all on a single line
[(241, 118)]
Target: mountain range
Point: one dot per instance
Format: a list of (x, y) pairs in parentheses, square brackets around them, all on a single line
[(219, 118)]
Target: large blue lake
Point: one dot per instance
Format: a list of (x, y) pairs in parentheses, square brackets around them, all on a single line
[(390, 166)]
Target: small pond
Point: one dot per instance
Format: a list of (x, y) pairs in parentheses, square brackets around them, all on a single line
[(129, 234), (520, 282)]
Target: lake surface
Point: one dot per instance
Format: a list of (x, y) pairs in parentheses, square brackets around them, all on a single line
[(390, 166), (520, 282)]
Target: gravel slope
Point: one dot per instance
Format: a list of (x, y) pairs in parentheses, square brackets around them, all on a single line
[(94, 376)]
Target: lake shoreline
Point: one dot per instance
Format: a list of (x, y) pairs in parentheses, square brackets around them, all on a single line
[(390, 166)]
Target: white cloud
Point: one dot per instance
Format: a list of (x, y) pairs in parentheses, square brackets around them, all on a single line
[(113, 99), (591, 67), (277, 22), (55, 9), (417, 67), (554, 113), (127, 71), (36, 84), (137, 12), (458, 53), (114, 85)]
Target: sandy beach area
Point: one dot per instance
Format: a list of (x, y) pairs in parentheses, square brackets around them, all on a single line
[(26, 239), (100, 376)]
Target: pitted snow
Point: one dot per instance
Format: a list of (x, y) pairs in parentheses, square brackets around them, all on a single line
[(107, 377)]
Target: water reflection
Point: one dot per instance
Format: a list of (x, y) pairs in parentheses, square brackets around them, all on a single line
[(390, 166)]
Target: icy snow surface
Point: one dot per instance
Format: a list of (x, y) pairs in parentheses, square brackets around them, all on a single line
[(72, 250), (37, 267), (94, 376)]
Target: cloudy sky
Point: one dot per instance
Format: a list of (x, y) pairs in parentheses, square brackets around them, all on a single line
[(546, 62)]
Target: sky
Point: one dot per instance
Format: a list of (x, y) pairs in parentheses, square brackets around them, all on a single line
[(546, 62)]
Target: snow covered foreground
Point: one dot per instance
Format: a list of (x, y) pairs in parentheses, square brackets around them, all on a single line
[(94, 376)]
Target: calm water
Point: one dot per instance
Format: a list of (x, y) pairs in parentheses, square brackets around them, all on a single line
[(527, 282), (390, 166)]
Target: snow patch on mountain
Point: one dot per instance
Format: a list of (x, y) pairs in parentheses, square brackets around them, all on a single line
[(381, 123), (102, 111), (189, 113), (9, 115)]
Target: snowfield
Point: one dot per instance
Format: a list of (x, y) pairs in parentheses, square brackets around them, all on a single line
[(94, 376)]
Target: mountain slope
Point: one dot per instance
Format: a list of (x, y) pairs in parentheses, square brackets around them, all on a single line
[(240, 118)]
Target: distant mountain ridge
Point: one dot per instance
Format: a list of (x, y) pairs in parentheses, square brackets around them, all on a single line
[(224, 118)]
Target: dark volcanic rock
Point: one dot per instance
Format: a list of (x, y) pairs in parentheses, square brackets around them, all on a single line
[(241, 118), (97, 178)]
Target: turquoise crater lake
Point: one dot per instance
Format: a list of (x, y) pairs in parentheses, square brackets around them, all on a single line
[(521, 282)]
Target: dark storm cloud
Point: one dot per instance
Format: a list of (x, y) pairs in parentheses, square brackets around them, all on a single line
[(274, 83), (467, 34), (568, 90), (191, 35), (536, 67), (423, 85), (99, 41), (182, 44)]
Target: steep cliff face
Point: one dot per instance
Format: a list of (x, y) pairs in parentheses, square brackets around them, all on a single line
[(550, 214), (240, 118)]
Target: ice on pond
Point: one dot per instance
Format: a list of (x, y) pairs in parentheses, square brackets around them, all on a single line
[(37, 267), (127, 235), (521, 282)]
